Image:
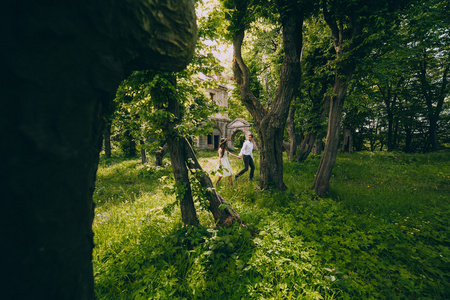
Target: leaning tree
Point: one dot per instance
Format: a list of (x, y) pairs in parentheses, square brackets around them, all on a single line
[(167, 108), (356, 27), (170, 106)]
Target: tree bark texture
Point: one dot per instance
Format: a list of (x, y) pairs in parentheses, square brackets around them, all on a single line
[(390, 106), (159, 154), (291, 133), (182, 156), (305, 148), (318, 145), (181, 175), (347, 145), (167, 95), (271, 158), (143, 153), (343, 73), (270, 124), (322, 179), (408, 139), (390, 96), (130, 145), (61, 63)]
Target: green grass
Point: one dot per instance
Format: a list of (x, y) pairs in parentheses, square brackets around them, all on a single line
[(383, 233)]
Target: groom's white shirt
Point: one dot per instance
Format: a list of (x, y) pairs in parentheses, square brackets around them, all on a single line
[(247, 149)]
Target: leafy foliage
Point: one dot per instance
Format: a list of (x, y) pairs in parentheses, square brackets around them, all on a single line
[(139, 118)]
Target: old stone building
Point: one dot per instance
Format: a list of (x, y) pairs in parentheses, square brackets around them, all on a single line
[(223, 126)]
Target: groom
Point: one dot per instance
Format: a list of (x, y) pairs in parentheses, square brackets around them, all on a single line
[(247, 154)]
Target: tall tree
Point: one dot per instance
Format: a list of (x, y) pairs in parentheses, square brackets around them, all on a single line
[(429, 33), (164, 96), (355, 28), (270, 123), (434, 98), (313, 102), (389, 91)]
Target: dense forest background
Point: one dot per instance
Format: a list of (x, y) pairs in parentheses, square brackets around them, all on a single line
[(312, 77), (396, 99)]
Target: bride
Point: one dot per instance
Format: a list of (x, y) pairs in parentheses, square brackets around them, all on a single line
[(224, 167)]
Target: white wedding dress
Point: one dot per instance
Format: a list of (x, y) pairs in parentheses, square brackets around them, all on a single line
[(226, 167)]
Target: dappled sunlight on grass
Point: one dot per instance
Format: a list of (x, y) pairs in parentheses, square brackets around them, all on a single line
[(383, 182), (381, 234)]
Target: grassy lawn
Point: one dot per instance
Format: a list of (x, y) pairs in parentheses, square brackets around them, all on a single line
[(383, 233)]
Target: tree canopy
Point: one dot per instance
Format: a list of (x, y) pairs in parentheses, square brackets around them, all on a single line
[(375, 74)]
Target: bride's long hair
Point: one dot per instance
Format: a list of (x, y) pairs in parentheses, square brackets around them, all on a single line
[(223, 146)]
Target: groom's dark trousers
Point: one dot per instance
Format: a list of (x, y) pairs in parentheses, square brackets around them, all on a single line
[(248, 161)]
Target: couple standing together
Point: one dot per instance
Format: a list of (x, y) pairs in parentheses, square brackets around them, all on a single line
[(246, 154)]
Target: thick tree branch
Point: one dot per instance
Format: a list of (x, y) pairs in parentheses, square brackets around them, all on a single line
[(242, 77), (290, 69), (331, 22)]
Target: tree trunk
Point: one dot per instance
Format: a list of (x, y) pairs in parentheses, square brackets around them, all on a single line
[(129, 147), (306, 146), (358, 139), (286, 146), (224, 216), (434, 101), (322, 179), (270, 124), (159, 155), (107, 139), (343, 73), (311, 138), (389, 93), (182, 156), (143, 153), (269, 92), (271, 157), (433, 141), (390, 120), (390, 115), (347, 145), (408, 139), (180, 172), (395, 138), (291, 133), (166, 95), (318, 145)]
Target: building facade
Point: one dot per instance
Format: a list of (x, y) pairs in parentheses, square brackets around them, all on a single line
[(223, 126)]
